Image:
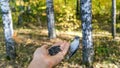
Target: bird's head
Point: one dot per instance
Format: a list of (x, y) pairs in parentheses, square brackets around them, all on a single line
[(77, 37)]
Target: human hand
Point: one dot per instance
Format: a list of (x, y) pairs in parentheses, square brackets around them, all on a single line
[(42, 59)]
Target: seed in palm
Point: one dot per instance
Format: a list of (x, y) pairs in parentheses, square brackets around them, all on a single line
[(54, 50)]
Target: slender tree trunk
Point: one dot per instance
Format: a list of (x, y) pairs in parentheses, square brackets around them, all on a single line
[(65, 1), (119, 15), (50, 19), (39, 21), (8, 28), (20, 19), (21, 11), (86, 17), (77, 7), (113, 18)]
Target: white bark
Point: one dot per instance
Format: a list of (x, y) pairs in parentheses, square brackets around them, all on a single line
[(8, 28), (86, 17), (50, 19)]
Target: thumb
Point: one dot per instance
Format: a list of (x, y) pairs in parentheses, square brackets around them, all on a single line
[(58, 57)]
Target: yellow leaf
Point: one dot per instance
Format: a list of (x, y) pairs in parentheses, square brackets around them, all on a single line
[(43, 14)]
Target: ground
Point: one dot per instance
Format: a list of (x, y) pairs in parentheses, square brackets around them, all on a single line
[(107, 50)]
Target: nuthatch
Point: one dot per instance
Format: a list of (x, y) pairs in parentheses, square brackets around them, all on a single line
[(73, 47)]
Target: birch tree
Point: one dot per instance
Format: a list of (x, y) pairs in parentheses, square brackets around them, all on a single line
[(86, 18), (50, 19), (113, 18), (8, 28)]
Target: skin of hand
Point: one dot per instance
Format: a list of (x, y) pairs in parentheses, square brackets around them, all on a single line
[(42, 59)]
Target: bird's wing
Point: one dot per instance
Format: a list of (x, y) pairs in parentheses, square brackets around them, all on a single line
[(74, 45), (72, 53), (73, 48)]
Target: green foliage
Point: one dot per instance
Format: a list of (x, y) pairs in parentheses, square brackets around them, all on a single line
[(29, 10), (118, 27), (65, 13), (67, 19), (107, 51), (101, 6)]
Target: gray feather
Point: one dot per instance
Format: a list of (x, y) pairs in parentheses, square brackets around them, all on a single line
[(73, 47)]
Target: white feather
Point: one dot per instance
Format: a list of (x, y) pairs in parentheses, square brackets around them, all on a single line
[(74, 45)]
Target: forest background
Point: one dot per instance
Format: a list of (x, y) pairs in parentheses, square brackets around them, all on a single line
[(30, 26)]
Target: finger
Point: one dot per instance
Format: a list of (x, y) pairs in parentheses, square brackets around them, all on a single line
[(58, 43), (62, 45), (60, 56), (44, 46), (66, 47), (44, 49)]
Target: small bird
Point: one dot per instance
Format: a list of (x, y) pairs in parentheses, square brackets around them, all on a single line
[(73, 47)]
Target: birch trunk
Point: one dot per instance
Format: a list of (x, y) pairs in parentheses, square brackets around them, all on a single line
[(86, 17), (113, 18), (50, 19), (8, 28)]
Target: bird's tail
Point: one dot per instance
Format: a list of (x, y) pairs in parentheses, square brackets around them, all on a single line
[(67, 57)]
